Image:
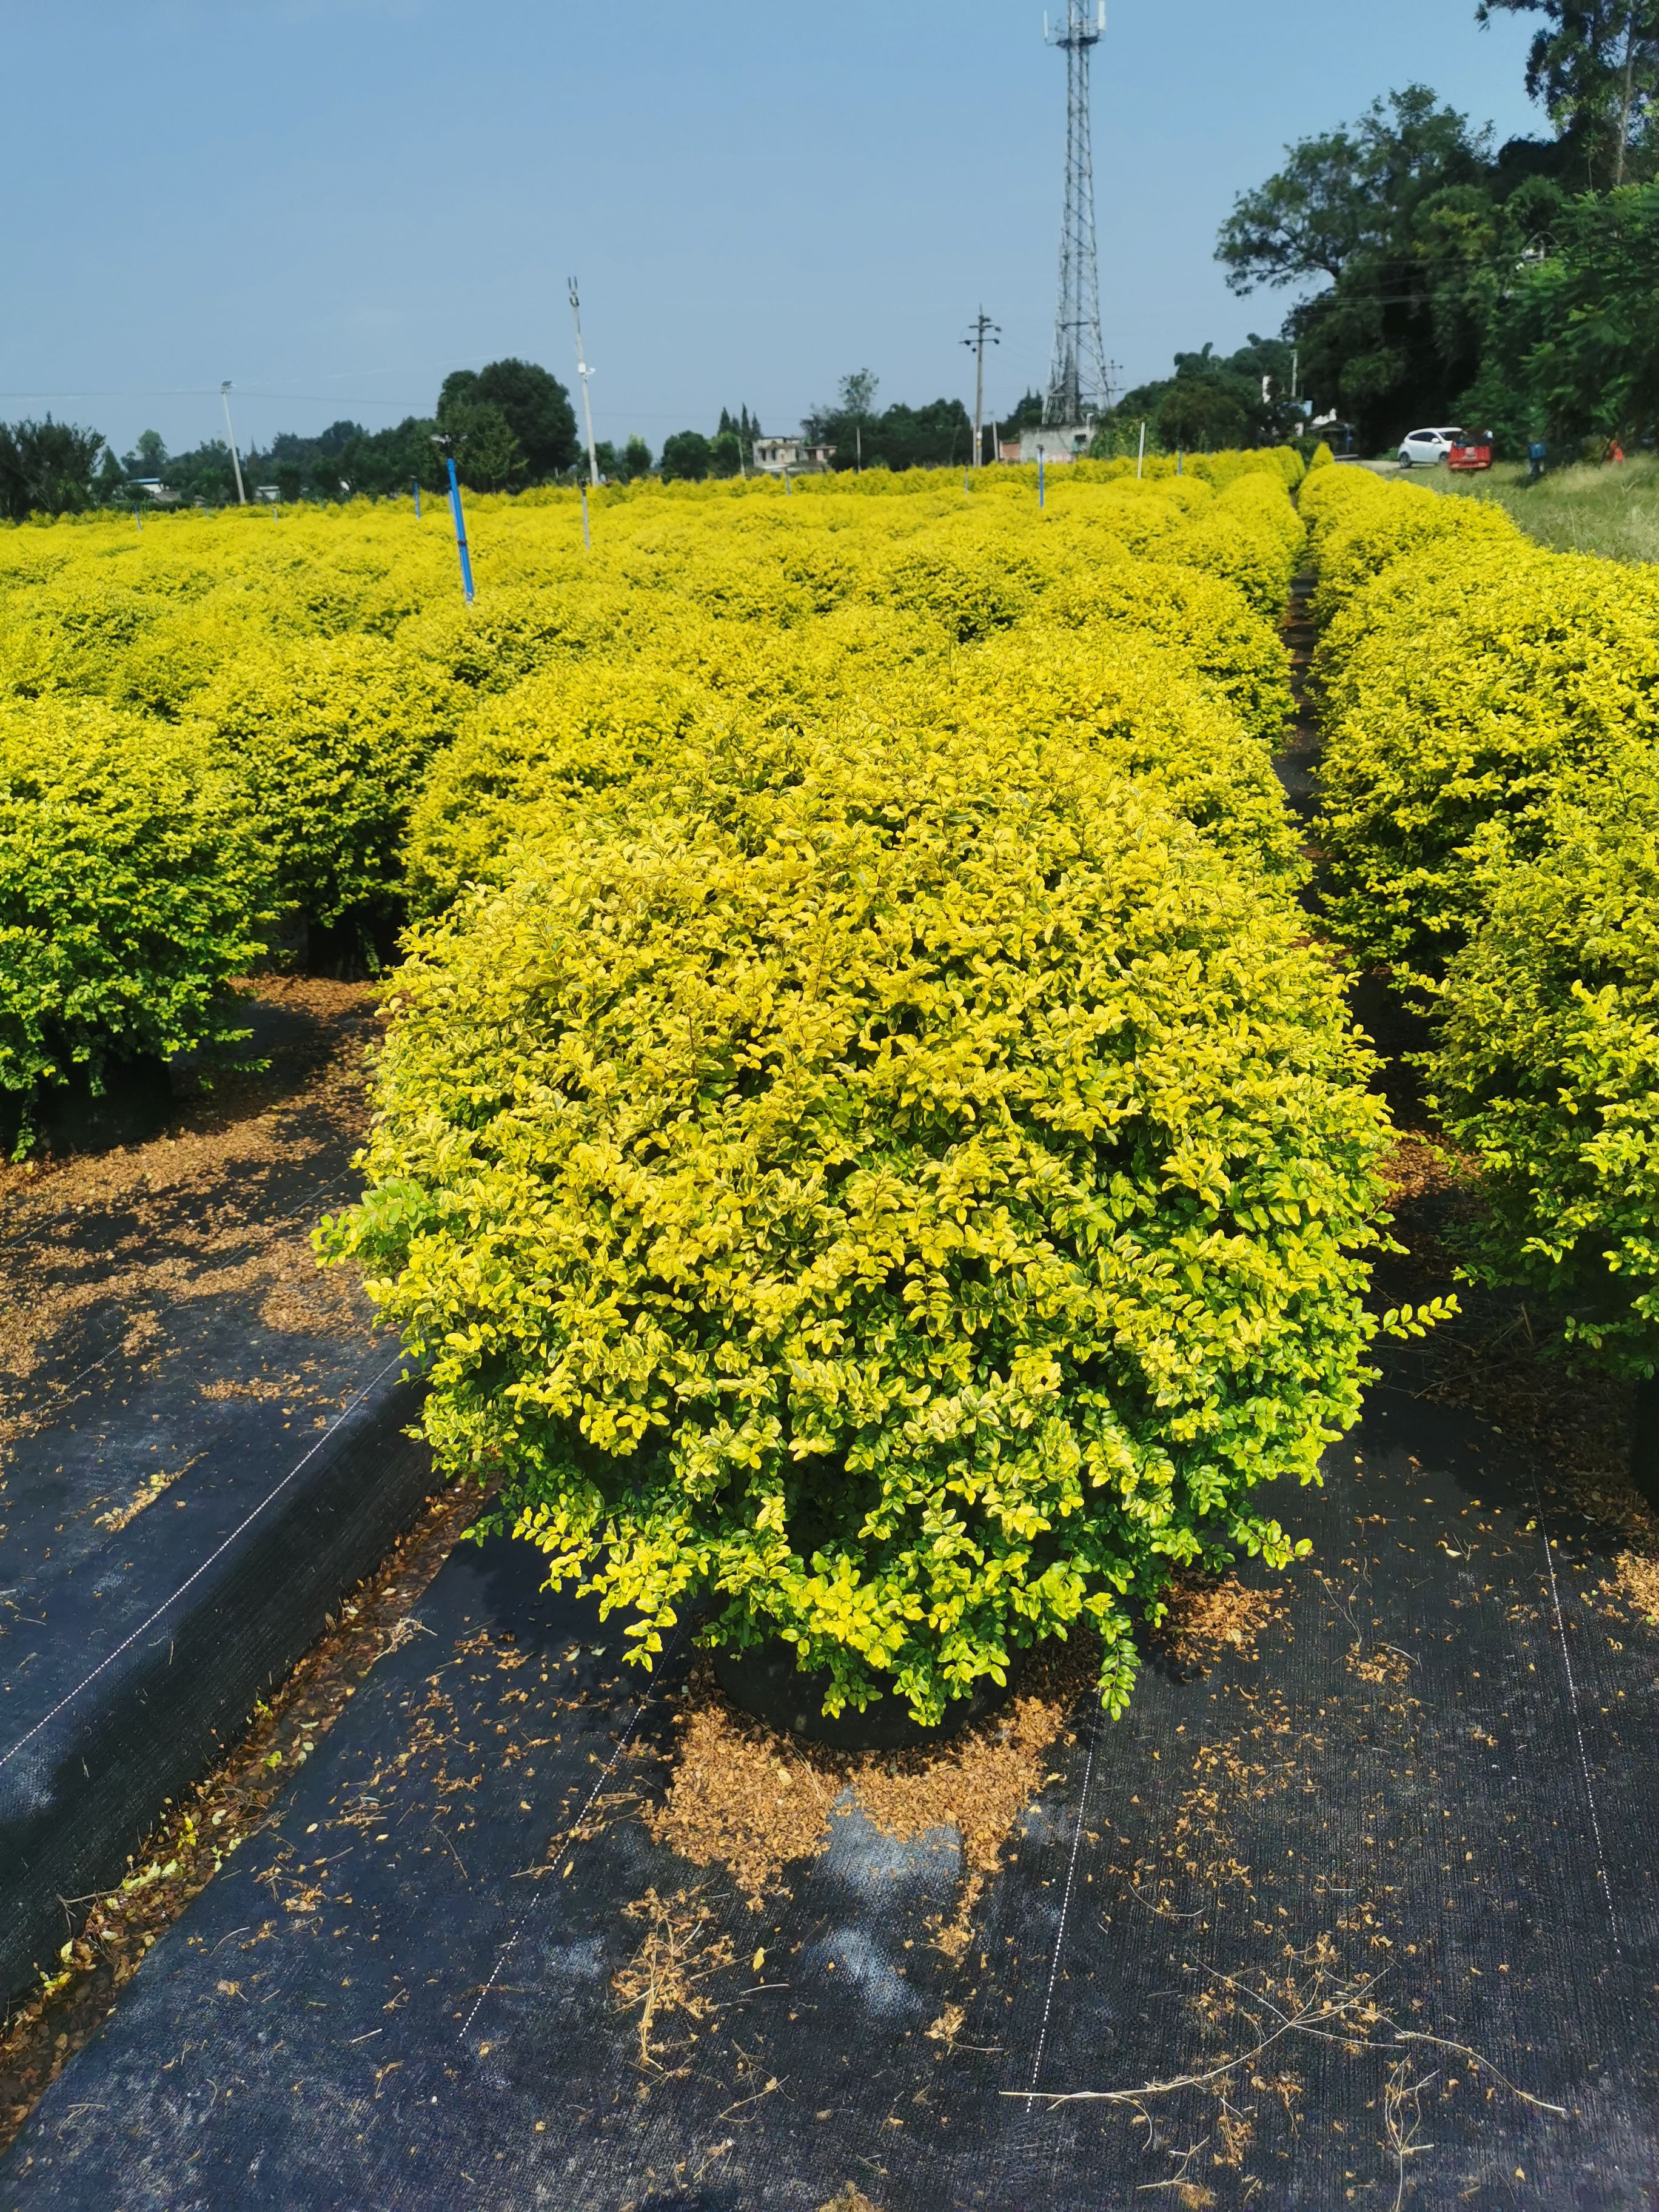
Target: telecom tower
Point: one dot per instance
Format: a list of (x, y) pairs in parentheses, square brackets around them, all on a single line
[(1078, 381)]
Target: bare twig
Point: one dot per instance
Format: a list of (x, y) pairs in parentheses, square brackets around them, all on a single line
[(773, 2084), (1185, 2159), (1398, 2092), (1161, 1911), (1441, 2043)]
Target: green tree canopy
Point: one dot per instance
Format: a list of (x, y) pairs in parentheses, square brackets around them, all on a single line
[(936, 435), (46, 468), (1210, 401), (1400, 212), (1573, 336), (1594, 65), (488, 455), (534, 405), (685, 456)]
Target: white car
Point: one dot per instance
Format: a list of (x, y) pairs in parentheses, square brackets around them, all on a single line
[(1421, 449)]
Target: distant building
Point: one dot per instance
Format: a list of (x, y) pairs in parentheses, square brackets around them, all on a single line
[(154, 489), (1055, 441), (270, 493), (773, 456)]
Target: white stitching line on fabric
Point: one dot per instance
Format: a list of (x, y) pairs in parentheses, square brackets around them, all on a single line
[(1064, 1905), (109, 1658), (1577, 1729), (606, 1772)]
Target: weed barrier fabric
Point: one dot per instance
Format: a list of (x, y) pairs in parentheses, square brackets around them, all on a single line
[(1367, 1918), (132, 1649)]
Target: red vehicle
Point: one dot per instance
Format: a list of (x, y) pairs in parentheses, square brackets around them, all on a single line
[(1474, 452)]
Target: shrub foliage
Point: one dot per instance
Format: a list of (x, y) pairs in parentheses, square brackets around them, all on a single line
[(129, 894), (916, 1205)]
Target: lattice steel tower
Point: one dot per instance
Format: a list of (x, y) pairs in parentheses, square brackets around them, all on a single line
[(1078, 381)]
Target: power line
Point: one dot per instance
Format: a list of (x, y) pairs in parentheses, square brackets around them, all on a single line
[(212, 391)]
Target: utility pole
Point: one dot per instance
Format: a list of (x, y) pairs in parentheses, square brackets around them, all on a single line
[(1078, 377), (235, 458), (584, 372), (984, 334)]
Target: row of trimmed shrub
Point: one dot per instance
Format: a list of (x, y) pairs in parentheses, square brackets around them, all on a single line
[(1490, 780), (302, 675), (864, 1141)]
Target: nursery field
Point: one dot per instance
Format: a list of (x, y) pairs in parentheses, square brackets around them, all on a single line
[(872, 1171)]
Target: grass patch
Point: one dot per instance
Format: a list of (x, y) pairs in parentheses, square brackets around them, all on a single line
[(1587, 507)]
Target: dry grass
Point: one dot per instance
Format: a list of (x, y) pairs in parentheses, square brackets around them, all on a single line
[(1208, 1615), (220, 1205), (664, 1978), (754, 1801)]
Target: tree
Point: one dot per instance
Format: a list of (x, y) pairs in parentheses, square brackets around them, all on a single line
[(1594, 65), (535, 405), (858, 394), (900, 437), (1209, 401), (1572, 348), (148, 455), (345, 459), (111, 481), (685, 456), (46, 468), (1399, 212), (1351, 192), (1201, 412), (204, 475), (488, 455), (633, 460), (1027, 416)]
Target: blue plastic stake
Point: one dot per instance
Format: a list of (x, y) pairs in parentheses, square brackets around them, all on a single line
[(785, 480), (418, 499), (1039, 476), (460, 533)]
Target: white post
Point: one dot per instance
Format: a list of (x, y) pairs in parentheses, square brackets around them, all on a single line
[(235, 458), (583, 372), (1140, 458)]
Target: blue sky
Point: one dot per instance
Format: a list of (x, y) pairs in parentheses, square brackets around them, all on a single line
[(333, 202)]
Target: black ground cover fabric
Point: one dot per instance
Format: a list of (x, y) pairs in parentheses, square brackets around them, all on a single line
[(1438, 1773), (129, 1658), (193, 1473)]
